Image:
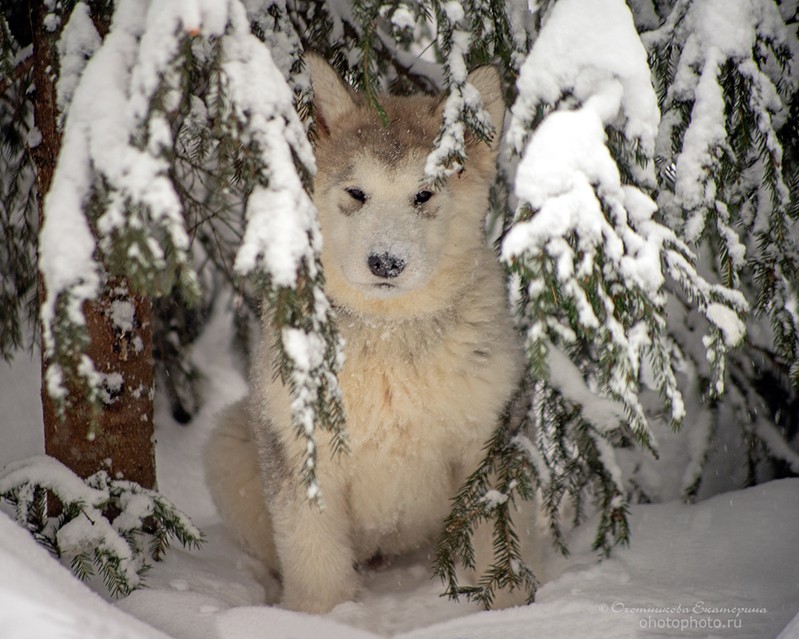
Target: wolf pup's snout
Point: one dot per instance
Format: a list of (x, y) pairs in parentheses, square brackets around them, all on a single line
[(385, 265)]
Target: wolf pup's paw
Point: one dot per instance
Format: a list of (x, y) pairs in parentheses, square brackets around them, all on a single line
[(321, 595), (507, 598)]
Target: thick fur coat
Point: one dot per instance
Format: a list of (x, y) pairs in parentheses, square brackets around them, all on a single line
[(431, 355)]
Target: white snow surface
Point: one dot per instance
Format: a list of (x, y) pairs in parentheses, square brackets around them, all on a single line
[(728, 560)]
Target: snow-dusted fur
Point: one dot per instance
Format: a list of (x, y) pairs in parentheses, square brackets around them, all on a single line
[(431, 355)]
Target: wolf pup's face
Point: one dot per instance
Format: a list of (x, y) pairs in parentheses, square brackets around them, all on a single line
[(393, 243)]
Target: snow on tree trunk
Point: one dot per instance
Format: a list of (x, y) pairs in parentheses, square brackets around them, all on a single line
[(121, 441)]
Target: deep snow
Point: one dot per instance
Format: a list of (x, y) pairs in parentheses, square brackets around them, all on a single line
[(735, 551)]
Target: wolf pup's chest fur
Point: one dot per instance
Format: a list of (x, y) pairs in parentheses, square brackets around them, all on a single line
[(420, 401), (431, 355)]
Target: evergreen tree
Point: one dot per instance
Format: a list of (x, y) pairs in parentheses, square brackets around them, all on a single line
[(646, 209), (653, 200)]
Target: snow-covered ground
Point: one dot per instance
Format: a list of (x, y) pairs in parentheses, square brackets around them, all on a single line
[(726, 567)]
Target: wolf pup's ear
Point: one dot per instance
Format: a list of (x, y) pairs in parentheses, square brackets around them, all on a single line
[(332, 97), (487, 81)]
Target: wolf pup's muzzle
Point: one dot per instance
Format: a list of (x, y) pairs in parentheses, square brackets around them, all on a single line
[(385, 265)]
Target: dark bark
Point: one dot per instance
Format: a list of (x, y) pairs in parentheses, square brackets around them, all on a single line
[(123, 444)]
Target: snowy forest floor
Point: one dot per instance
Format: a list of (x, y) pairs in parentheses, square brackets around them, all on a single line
[(725, 567)]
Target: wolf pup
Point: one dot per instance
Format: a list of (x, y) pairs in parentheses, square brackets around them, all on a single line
[(432, 357)]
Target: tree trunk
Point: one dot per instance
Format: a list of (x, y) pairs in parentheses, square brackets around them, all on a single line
[(118, 325), (120, 333)]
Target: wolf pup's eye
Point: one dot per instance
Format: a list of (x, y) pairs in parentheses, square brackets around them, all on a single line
[(356, 194), (422, 197)]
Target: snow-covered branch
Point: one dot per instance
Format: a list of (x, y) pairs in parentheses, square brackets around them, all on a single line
[(462, 28), (122, 181), (103, 521), (593, 260), (725, 72)]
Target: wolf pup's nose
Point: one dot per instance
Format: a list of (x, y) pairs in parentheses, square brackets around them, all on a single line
[(385, 265)]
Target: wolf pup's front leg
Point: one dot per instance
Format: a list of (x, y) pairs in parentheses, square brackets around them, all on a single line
[(314, 549)]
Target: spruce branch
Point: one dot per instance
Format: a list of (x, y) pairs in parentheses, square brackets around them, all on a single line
[(18, 203), (101, 523), (489, 496), (467, 33)]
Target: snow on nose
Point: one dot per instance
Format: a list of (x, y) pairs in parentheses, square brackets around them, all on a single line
[(385, 265)]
